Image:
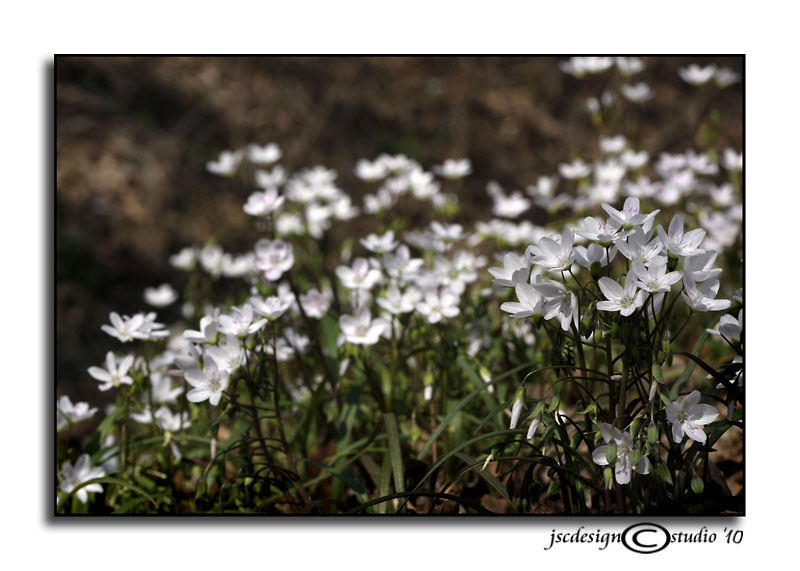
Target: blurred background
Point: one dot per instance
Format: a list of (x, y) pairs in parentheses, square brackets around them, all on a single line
[(133, 136)]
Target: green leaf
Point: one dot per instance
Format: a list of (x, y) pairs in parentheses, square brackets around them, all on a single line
[(492, 414), (394, 451), (383, 485), (343, 476), (107, 425), (487, 476), (684, 378), (330, 336), (439, 429)]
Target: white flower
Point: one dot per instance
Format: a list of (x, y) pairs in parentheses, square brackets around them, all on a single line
[(509, 206), (516, 270), (361, 329), (161, 388), (689, 417), (171, 422), (556, 255), (184, 260), (396, 302), (575, 169), (115, 374), (289, 223), (150, 330), (455, 274), (603, 232), (422, 184), (268, 179), (697, 75), (629, 215), (637, 93), (265, 155), (400, 265), (585, 257), (580, 66), (700, 297), (530, 303), (447, 232), (655, 278), (732, 160), (559, 301), (724, 77), (315, 303), (438, 306), (124, 328), (371, 171), (454, 168), (637, 249), (228, 356), (161, 296), (678, 243), (613, 145), (380, 244), (699, 267), (342, 208), (74, 476), (69, 413), (208, 383), (211, 258), (274, 258), (272, 307), (623, 470), (240, 322), (263, 203), (226, 164), (729, 327), (625, 300), (629, 65), (634, 160), (207, 332), (360, 276)]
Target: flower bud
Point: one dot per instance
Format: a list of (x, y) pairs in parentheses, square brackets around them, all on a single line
[(587, 326), (658, 374), (653, 390), (652, 434), (636, 457), (635, 426), (613, 332), (608, 477), (516, 408), (697, 485), (532, 428), (611, 452)]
